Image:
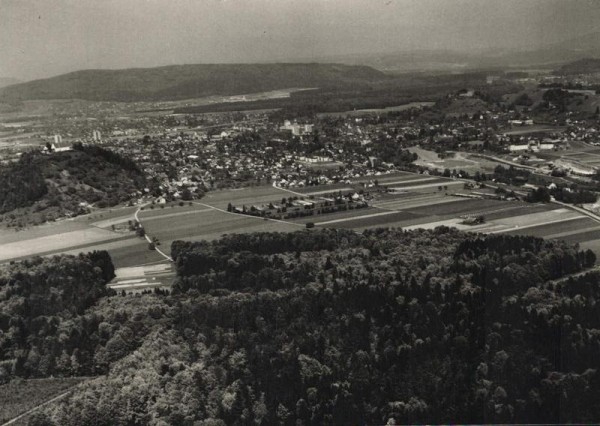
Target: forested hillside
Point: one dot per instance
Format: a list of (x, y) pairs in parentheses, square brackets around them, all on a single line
[(42, 303), (43, 187), (189, 81), (582, 66), (334, 327)]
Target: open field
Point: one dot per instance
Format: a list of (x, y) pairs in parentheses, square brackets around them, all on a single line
[(411, 209), (565, 230), (142, 278), (19, 396), (208, 225), (168, 211), (251, 195), (414, 200), (418, 203), (80, 234), (54, 242), (323, 189), (369, 220)]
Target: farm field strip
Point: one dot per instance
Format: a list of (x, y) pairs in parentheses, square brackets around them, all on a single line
[(366, 216), (519, 228), (583, 155), (416, 203), (307, 190), (455, 222), (591, 244), (588, 238), (375, 221), (539, 218), (143, 277), (428, 185), (111, 245), (133, 281), (402, 181), (335, 215), (40, 231), (249, 201), (407, 195), (518, 210), (151, 210), (144, 286), (167, 215), (569, 232), (213, 234), (129, 252), (466, 205), (212, 225), (228, 195), (56, 242), (109, 222), (549, 230), (431, 179), (328, 191)]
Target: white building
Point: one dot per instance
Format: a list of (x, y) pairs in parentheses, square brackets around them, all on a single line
[(297, 129)]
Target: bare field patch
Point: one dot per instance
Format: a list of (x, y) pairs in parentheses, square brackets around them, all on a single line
[(382, 219), (56, 242), (425, 201)]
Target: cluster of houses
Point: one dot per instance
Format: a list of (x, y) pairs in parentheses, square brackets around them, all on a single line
[(295, 207), (538, 144)]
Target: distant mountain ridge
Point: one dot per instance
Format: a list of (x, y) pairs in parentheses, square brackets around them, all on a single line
[(548, 55), (189, 81), (7, 81), (582, 66)]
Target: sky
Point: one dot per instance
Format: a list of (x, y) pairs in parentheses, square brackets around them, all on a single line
[(42, 38)]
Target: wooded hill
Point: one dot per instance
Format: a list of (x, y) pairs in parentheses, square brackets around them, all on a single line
[(189, 81), (41, 187), (332, 327), (582, 66)]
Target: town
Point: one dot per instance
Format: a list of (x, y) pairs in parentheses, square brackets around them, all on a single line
[(328, 212)]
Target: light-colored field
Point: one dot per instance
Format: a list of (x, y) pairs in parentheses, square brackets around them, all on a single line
[(425, 155), (55, 242), (139, 278), (356, 217)]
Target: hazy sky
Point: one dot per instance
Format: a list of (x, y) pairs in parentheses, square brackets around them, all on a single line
[(41, 38)]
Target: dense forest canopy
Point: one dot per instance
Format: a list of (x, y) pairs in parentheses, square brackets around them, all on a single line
[(332, 327), (40, 302)]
